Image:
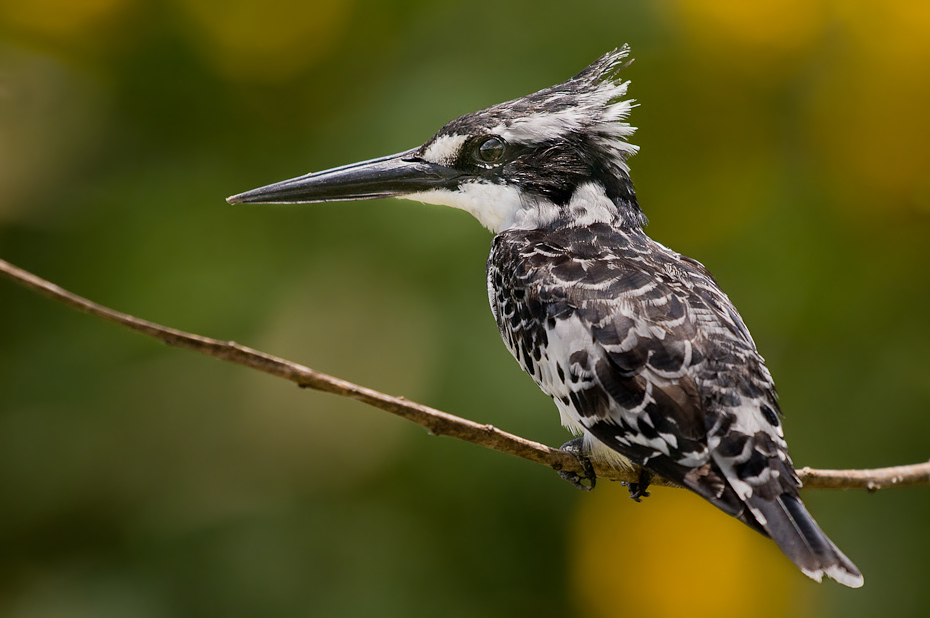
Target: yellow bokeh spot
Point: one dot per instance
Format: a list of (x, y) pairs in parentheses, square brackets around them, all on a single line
[(675, 555), (757, 36), (859, 72), (265, 41), (897, 31), (58, 18), (868, 114)]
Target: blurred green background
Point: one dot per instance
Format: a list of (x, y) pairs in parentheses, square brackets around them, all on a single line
[(785, 144)]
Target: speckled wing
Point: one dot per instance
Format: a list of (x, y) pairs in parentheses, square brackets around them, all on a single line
[(641, 351)]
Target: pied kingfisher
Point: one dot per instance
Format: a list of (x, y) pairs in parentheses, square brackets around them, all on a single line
[(644, 356)]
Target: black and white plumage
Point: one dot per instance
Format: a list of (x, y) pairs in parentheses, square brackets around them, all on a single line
[(642, 353)]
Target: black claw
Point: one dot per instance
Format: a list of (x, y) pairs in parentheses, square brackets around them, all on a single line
[(576, 448), (638, 490)]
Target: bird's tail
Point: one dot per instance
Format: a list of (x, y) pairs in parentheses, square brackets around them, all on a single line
[(784, 519), (801, 539)]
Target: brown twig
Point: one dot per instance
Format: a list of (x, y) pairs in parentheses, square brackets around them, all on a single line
[(872, 480), (435, 421)]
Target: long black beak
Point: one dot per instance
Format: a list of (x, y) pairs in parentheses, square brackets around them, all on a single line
[(392, 176)]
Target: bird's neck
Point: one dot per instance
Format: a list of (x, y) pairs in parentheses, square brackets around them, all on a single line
[(590, 203)]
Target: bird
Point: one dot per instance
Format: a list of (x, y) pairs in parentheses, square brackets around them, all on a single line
[(645, 357)]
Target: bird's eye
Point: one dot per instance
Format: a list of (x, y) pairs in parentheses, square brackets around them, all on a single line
[(491, 150)]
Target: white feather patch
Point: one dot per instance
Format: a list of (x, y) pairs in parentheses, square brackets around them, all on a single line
[(599, 113), (843, 577), (590, 205), (492, 204), (445, 149)]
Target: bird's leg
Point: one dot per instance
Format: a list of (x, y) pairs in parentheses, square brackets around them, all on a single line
[(638, 490), (576, 448)]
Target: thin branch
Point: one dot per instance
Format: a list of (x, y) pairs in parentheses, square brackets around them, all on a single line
[(872, 480), (435, 421)]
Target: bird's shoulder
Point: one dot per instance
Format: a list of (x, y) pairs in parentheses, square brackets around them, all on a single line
[(598, 270)]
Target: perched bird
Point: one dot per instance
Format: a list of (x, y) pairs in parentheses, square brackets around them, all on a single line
[(644, 356)]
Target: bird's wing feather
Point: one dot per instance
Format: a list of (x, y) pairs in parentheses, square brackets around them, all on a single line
[(630, 346), (640, 349)]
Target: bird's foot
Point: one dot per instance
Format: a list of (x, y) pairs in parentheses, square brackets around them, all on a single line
[(639, 489), (576, 448)]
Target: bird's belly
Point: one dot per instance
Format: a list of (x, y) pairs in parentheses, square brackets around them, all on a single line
[(553, 374)]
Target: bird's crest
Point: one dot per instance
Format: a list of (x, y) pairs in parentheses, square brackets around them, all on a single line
[(590, 104)]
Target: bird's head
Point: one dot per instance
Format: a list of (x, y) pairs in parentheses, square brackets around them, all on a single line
[(555, 157)]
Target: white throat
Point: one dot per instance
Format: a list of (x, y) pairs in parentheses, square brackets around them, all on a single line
[(495, 206), (504, 207)]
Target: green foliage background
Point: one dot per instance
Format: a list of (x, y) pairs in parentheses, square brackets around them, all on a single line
[(785, 144)]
